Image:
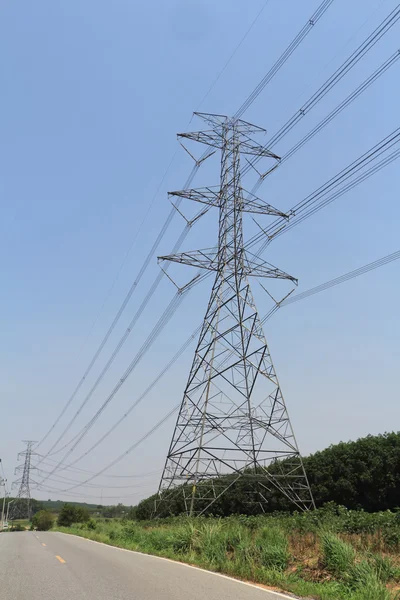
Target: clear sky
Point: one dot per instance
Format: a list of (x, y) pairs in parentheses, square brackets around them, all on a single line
[(93, 94)]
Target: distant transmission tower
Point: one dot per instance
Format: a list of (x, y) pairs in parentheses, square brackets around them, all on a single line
[(21, 507), (233, 423)]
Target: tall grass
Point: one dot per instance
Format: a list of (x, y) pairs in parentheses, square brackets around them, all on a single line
[(337, 556)]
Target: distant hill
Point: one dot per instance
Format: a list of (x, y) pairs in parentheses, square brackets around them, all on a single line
[(56, 505)]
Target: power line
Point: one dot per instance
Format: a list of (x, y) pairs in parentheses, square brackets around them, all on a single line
[(327, 86), (258, 15), (130, 449), (320, 197), (162, 322), (87, 472), (344, 104), (380, 262), (142, 396), (284, 57), (353, 59)]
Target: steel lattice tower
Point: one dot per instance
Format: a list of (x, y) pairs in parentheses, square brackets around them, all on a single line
[(22, 505), (233, 422)]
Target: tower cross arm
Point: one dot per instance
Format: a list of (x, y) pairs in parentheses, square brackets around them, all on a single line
[(260, 268), (210, 138), (212, 197), (253, 204), (202, 259), (251, 147), (205, 195)]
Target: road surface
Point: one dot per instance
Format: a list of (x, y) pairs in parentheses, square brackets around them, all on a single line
[(55, 566)]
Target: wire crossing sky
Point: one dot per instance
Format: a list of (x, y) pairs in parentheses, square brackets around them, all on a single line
[(94, 99)]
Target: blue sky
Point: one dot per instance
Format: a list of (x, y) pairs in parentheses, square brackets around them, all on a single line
[(93, 95)]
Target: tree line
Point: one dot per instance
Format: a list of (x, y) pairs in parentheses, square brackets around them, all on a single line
[(364, 474)]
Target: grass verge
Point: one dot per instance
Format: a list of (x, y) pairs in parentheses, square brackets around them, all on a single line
[(318, 564)]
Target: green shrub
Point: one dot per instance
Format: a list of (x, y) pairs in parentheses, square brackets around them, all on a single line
[(72, 514), (43, 520)]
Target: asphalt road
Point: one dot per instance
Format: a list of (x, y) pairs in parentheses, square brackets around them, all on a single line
[(55, 566)]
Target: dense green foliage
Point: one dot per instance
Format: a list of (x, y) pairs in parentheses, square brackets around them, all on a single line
[(43, 520), (363, 474), (55, 506), (72, 514), (95, 510), (326, 554)]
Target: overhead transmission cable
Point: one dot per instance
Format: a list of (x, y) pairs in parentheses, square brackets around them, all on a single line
[(169, 311), (87, 472), (309, 25), (162, 322), (342, 105), (115, 352), (317, 199), (376, 264), (348, 64), (258, 15)]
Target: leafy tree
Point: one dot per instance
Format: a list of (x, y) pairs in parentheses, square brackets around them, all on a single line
[(362, 474), (66, 516), (43, 520), (72, 514), (81, 514)]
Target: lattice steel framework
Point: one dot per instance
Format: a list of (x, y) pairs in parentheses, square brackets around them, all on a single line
[(21, 506), (233, 422)]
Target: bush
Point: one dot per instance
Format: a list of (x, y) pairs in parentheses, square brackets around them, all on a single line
[(43, 520), (72, 514)]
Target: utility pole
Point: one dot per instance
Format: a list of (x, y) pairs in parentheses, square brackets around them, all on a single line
[(3, 482), (22, 503), (233, 424), (8, 508)]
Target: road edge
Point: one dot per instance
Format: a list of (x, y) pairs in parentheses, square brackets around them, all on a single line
[(183, 564)]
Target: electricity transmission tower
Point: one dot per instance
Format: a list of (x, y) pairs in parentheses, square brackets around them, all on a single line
[(21, 507), (233, 423)]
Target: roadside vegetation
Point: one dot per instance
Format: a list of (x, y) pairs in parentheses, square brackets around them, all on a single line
[(42, 520), (347, 549), (329, 554)]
